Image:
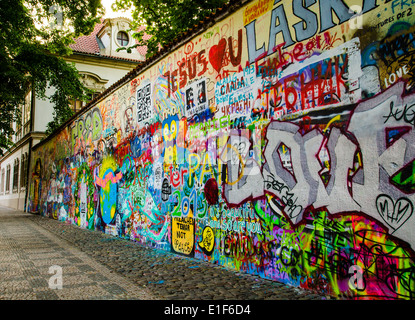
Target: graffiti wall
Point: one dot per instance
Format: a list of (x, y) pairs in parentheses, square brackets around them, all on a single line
[(278, 142)]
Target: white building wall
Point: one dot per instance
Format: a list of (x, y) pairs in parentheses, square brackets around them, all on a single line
[(14, 198), (44, 108), (43, 112), (112, 74)]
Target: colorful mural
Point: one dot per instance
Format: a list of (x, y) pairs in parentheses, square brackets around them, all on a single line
[(276, 142)]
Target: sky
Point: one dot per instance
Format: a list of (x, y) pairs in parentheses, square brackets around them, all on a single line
[(111, 14)]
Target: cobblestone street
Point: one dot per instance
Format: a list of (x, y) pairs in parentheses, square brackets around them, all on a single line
[(96, 266)]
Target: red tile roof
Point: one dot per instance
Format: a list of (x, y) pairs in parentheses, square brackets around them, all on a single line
[(88, 44)]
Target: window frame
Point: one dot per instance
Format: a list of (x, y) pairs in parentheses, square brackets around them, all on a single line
[(121, 40), (23, 171), (3, 177), (8, 169), (16, 170)]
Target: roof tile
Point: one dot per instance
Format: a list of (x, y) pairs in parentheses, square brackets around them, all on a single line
[(88, 43)]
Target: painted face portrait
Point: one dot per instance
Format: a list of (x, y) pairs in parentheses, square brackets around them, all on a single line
[(201, 92), (189, 99), (128, 119)]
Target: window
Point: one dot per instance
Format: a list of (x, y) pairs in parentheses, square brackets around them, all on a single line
[(26, 114), (18, 132), (77, 105), (94, 83), (2, 181), (93, 96), (122, 38), (8, 179), (23, 171), (22, 127), (16, 175), (27, 107)]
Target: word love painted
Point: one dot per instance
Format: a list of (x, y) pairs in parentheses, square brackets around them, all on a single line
[(383, 156)]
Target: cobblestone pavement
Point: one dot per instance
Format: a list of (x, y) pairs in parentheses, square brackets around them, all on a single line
[(99, 266), (29, 254)]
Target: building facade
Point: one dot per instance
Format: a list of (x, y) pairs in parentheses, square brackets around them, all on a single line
[(100, 66)]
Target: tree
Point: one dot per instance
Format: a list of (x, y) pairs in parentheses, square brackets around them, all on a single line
[(34, 36), (165, 19)]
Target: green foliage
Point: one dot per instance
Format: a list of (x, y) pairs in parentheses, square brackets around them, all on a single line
[(166, 19), (34, 36)]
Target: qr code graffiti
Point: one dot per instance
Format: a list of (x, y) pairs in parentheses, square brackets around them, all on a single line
[(144, 103)]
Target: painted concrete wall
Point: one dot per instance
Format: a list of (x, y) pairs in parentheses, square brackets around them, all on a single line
[(278, 142)]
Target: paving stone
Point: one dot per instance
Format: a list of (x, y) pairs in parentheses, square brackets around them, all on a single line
[(99, 266), (25, 263)]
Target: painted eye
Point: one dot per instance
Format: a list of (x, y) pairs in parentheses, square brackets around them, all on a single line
[(166, 130), (173, 128)]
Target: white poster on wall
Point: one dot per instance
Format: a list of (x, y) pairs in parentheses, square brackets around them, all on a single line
[(196, 98)]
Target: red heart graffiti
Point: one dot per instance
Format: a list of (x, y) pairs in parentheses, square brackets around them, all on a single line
[(216, 54)]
